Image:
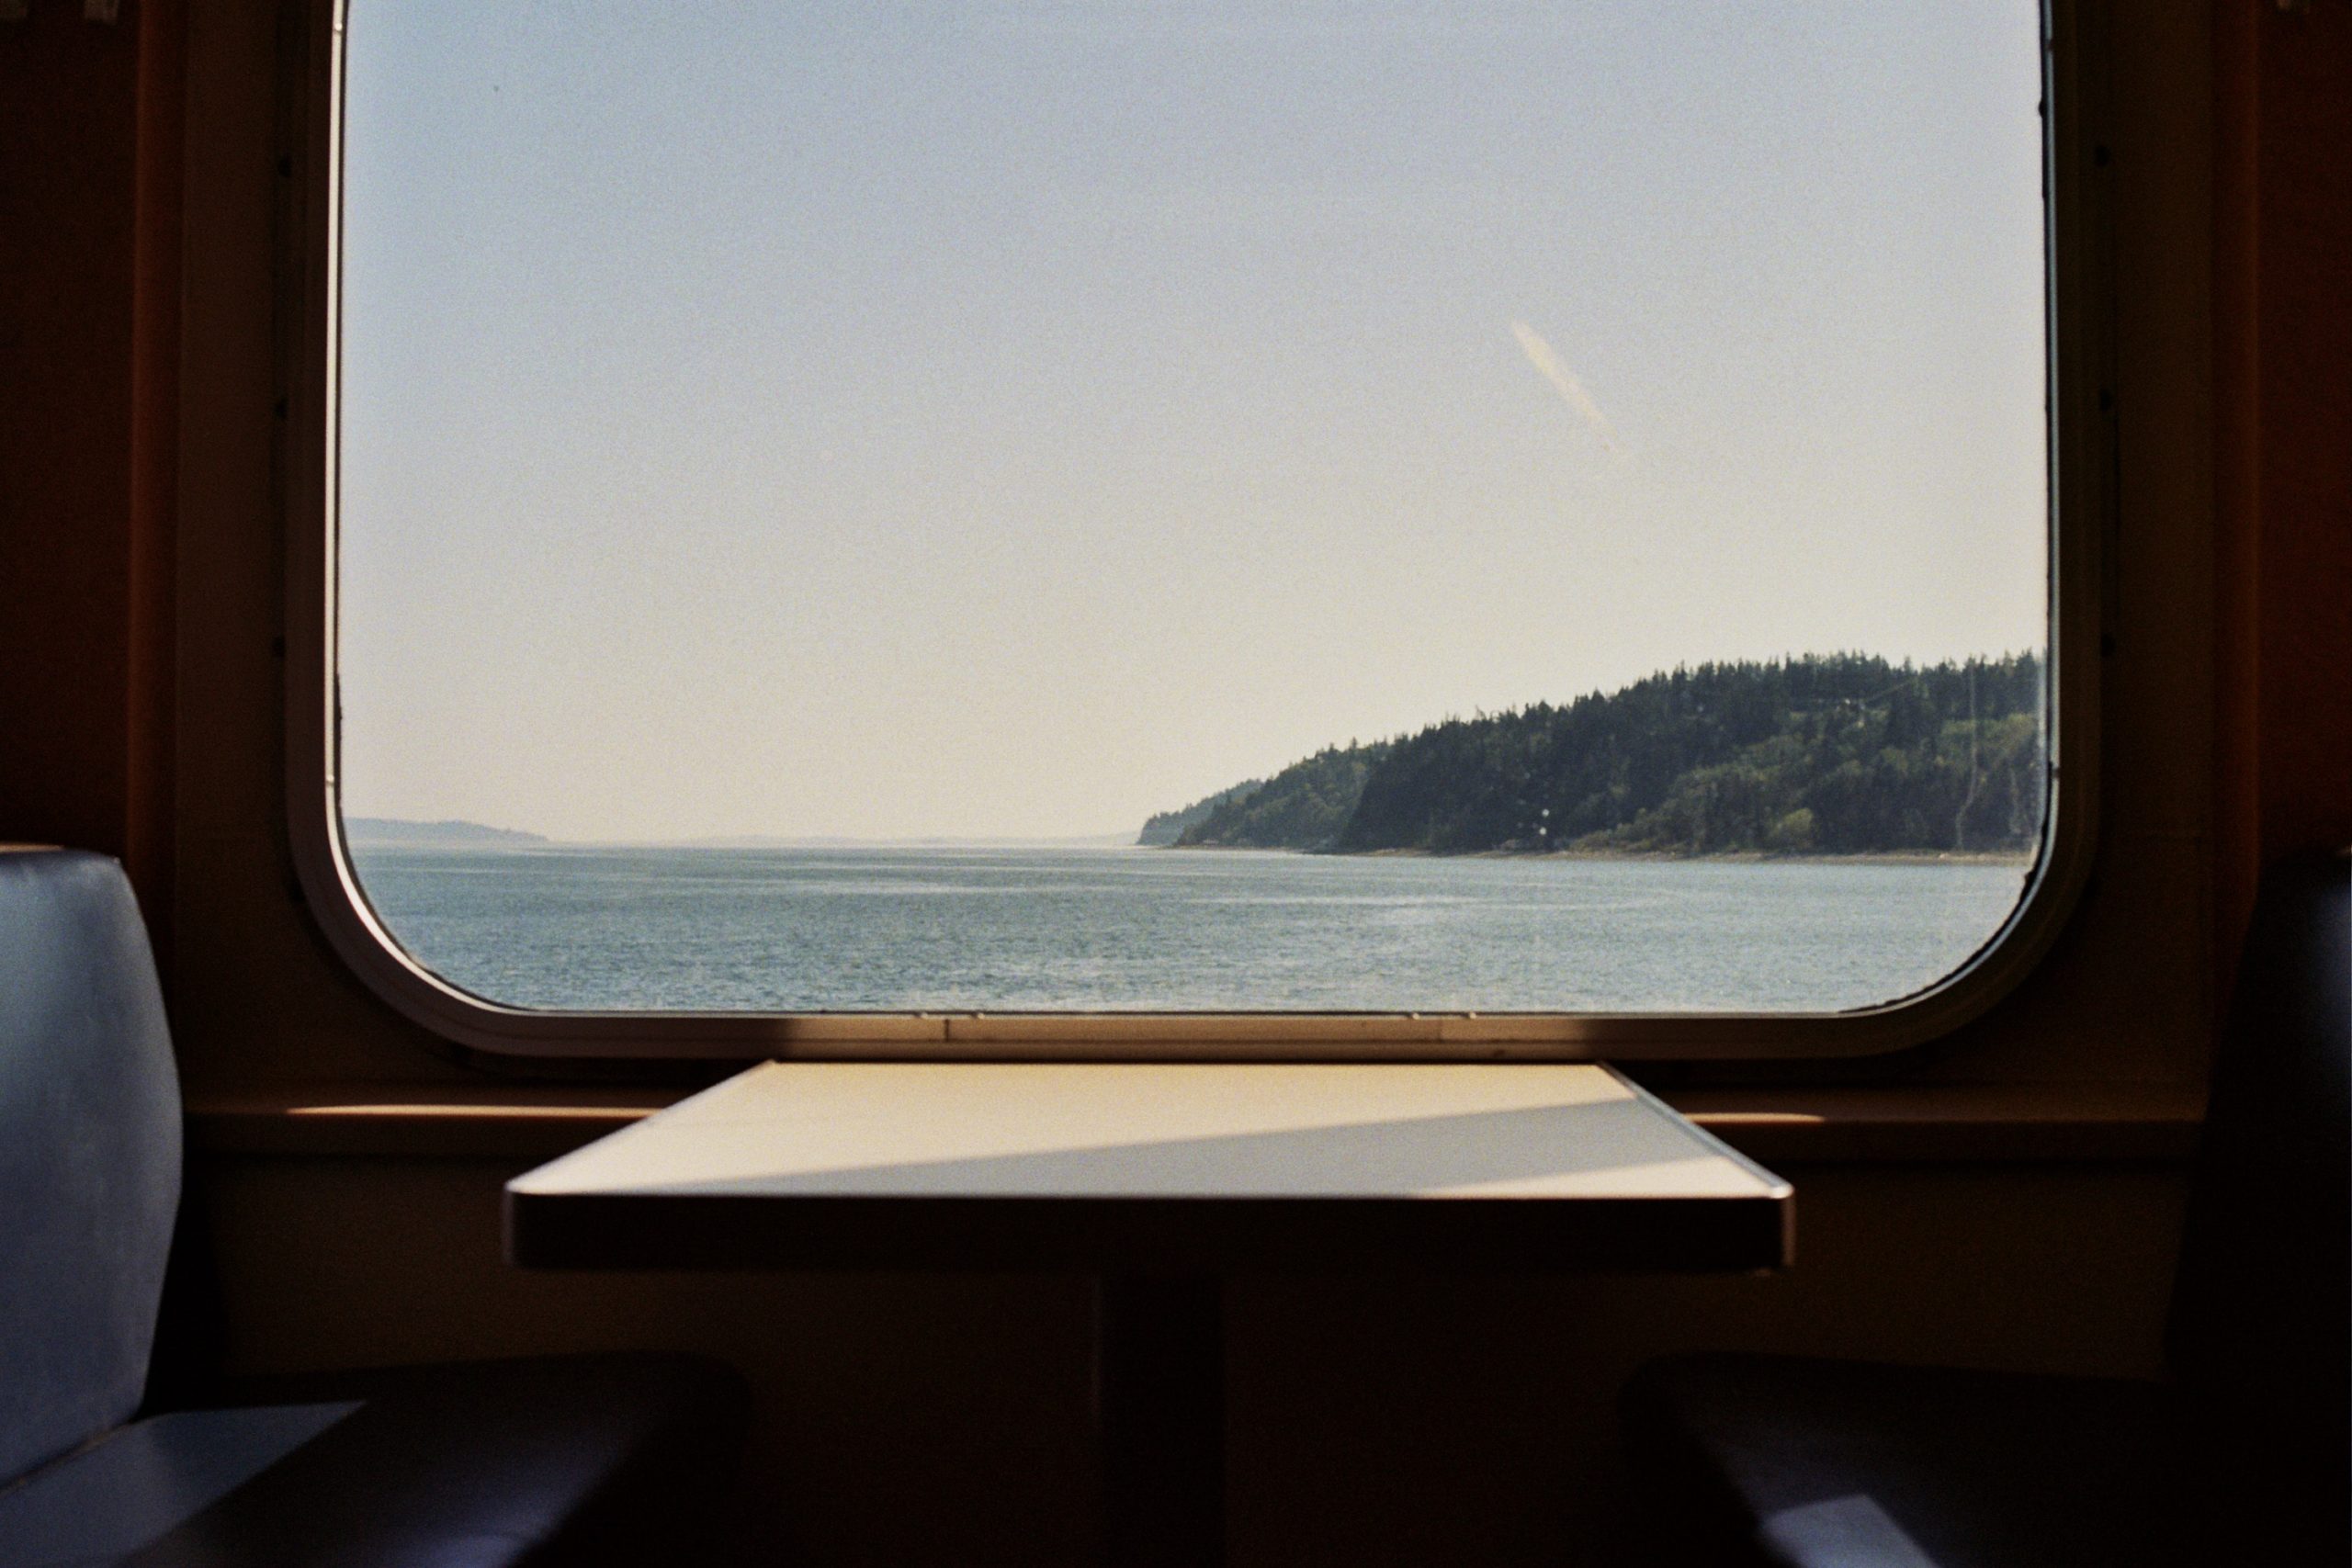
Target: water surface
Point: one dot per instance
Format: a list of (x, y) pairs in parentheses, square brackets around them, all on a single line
[(1021, 929)]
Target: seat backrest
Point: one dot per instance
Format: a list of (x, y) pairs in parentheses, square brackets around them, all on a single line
[(2261, 1331), (89, 1152)]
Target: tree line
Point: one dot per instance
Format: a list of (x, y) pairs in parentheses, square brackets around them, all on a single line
[(1164, 828), (1831, 753)]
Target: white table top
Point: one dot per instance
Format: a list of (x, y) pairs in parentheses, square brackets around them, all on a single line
[(819, 1164)]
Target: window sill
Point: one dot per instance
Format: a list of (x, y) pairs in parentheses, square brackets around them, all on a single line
[(1922, 1124)]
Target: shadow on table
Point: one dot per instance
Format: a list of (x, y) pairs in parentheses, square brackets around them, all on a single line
[(1612, 1148)]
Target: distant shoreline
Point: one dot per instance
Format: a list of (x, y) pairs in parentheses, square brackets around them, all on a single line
[(1729, 857), (1724, 857)]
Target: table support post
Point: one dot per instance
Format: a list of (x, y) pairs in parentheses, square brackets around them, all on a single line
[(1160, 1396)]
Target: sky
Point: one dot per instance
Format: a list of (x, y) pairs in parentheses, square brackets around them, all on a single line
[(1011, 420)]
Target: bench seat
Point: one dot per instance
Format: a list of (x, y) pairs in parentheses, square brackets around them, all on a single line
[(2244, 1456), (582, 1460), (1806, 1463), (579, 1461)]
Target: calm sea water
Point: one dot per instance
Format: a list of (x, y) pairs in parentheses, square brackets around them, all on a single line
[(1018, 929)]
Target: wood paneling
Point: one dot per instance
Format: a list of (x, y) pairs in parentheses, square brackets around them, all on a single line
[(89, 347), (2283, 437)]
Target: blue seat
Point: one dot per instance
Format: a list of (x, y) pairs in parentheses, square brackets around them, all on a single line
[(558, 1460), (2243, 1455)]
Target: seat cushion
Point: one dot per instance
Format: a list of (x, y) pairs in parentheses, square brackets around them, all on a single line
[(564, 1461), (1835, 1464), (89, 1152), (139, 1481)]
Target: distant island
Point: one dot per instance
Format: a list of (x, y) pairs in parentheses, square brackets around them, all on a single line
[(1828, 754), (391, 832)]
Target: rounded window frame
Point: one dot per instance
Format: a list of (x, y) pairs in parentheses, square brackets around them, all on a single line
[(2080, 444)]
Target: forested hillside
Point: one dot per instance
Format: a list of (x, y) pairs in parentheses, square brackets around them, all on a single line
[(1164, 828), (1304, 806), (1835, 753)]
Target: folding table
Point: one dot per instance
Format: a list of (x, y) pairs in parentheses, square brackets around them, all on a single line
[(1158, 1181)]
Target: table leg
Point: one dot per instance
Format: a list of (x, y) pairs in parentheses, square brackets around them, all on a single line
[(1159, 1398)]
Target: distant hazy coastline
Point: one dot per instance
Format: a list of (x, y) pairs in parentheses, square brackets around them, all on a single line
[(393, 832)]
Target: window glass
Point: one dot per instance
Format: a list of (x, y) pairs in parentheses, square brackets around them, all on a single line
[(1348, 505)]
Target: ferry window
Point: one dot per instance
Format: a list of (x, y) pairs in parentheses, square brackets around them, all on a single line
[(1341, 506)]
